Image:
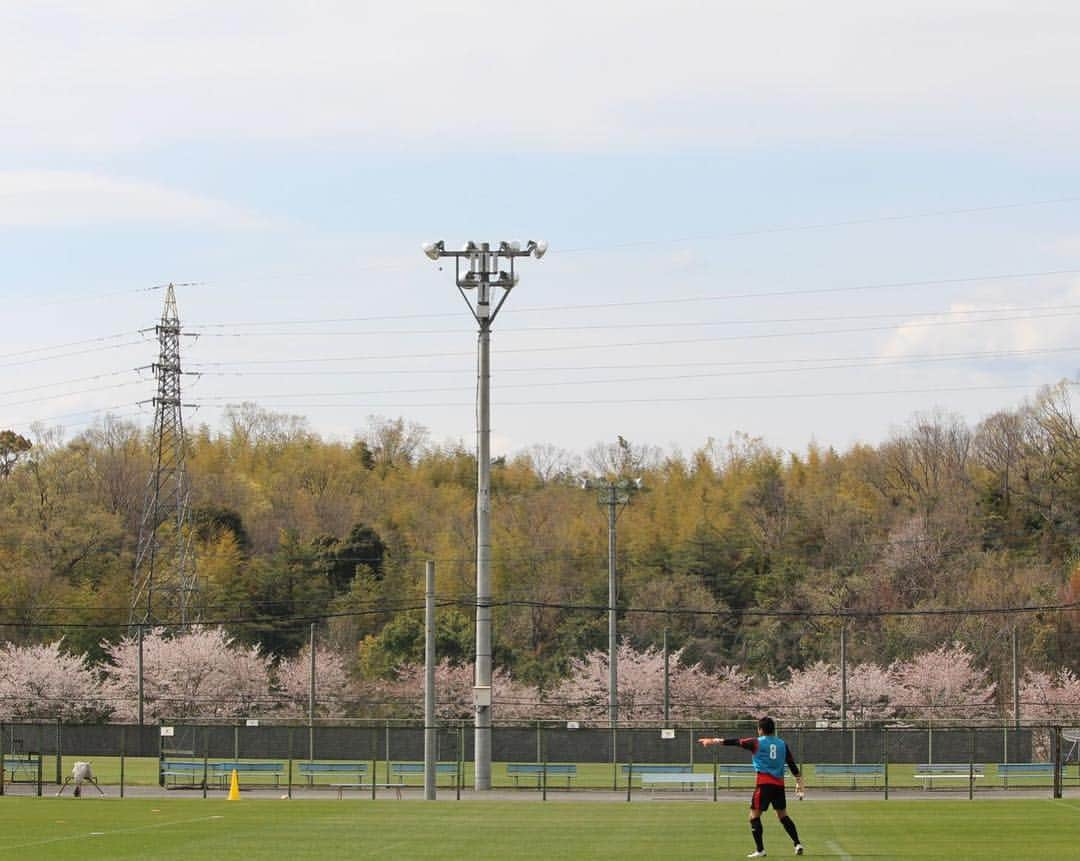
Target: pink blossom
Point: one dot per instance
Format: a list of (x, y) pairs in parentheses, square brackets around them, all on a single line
[(42, 682), (332, 685), (943, 683), (196, 674)]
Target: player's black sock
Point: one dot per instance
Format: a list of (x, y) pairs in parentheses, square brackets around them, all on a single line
[(789, 827), (755, 828)]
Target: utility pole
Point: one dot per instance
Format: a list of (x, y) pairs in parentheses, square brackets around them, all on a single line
[(615, 494), (164, 582), (483, 274)]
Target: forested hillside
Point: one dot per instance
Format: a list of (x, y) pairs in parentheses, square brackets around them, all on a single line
[(742, 553)]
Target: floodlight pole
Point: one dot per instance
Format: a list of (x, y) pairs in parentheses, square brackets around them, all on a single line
[(483, 274)]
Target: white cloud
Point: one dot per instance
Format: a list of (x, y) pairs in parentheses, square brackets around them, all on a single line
[(1023, 327), (34, 198), (567, 75)]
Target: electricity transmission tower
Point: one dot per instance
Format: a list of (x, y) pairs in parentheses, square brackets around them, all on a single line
[(164, 582)]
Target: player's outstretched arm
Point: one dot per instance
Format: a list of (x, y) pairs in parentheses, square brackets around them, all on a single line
[(709, 742)]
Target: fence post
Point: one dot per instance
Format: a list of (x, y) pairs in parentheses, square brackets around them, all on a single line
[(291, 759), (1, 757), (971, 765), (885, 756), (1057, 751), (59, 751), (123, 752), (715, 773)]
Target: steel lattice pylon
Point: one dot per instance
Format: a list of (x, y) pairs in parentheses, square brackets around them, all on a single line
[(164, 582)]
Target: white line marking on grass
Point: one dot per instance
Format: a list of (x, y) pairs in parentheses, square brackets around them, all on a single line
[(82, 835), (838, 849)]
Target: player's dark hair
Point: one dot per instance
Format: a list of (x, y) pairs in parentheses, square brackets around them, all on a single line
[(767, 725)]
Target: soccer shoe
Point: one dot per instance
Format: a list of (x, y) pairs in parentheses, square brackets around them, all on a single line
[(761, 853), (798, 849)]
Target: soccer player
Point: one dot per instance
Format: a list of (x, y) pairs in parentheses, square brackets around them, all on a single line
[(771, 754)]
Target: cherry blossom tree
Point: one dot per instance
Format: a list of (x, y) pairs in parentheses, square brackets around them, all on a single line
[(42, 682), (201, 673), (511, 700), (1050, 697), (333, 688), (808, 694), (943, 683), (814, 693), (870, 692), (694, 692)]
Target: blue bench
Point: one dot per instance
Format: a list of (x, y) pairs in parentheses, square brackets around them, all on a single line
[(310, 770), (341, 787), (644, 769), (854, 770), (1006, 770), (683, 779), (729, 770), (15, 764), (517, 770), (224, 770), (929, 772), (416, 769), (177, 769)]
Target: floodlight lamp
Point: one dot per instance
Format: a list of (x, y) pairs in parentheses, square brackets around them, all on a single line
[(515, 245), (470, 281), (539, 249), (433, 249), (469, 247)]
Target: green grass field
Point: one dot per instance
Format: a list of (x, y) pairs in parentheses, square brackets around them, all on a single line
[(189, 829)]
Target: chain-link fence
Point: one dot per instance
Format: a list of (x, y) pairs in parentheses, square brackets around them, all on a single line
[(540, 757)]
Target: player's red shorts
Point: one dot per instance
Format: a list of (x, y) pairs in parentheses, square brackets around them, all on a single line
[(766, 794)]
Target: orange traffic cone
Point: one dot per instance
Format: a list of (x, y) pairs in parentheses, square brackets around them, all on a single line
[(234, 787)]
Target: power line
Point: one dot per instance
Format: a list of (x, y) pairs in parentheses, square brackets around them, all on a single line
[(969, 312), (912, 358), (464, 603), (640, 343)]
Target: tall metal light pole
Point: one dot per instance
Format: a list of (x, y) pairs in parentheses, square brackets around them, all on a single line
[(477, 267), (615, 494)]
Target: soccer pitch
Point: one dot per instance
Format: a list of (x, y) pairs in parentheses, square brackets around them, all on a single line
[(255, 829)]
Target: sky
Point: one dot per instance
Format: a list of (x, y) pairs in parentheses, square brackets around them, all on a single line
[(807, 223)]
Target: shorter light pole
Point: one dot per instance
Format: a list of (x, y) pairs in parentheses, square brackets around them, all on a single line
[(615, 494)]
